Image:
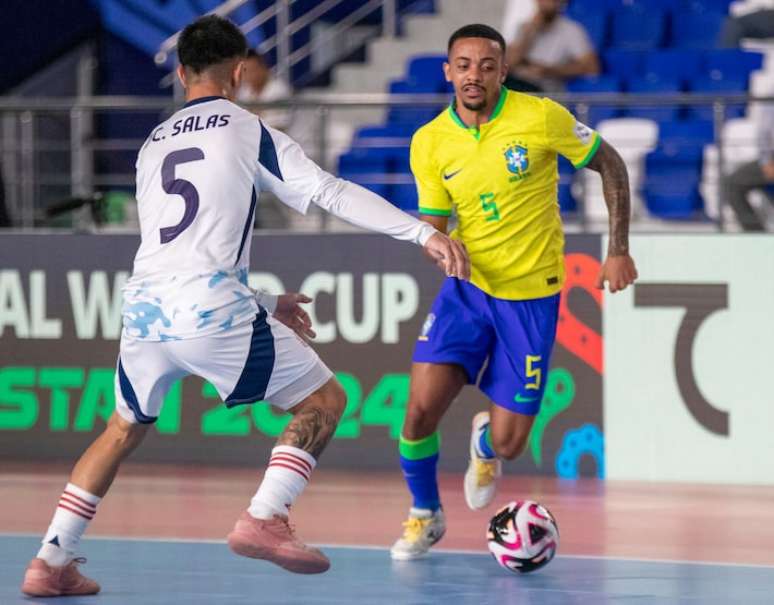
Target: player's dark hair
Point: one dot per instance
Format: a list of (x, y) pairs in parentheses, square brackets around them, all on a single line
[(209, 41), (477, 30)]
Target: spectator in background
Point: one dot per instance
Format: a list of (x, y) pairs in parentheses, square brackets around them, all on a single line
[(756, 175), (548, 50), (517, 12), (757, 24), (258, 86)]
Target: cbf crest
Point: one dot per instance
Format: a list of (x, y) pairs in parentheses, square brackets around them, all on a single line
[(426, 327), (517, 160)]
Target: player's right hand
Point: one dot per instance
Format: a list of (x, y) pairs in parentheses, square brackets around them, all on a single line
[(450, 255)]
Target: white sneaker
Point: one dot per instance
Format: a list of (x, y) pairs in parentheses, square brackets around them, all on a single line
[(481, 476), (421, 530)]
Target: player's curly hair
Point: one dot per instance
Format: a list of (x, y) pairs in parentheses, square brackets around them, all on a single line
[(209, 41), (477, 30)]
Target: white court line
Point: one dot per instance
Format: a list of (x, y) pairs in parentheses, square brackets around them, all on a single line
[(448, 551)]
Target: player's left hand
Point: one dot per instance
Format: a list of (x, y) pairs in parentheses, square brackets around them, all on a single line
[(618, 272), (290, 313)]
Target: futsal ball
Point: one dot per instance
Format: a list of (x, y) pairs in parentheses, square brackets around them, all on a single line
[(523, 536)]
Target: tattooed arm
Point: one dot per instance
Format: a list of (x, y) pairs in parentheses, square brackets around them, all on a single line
[(618, 269)]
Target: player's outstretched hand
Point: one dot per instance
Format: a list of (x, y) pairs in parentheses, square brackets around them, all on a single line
[(618, 272), (450, 255), (290, 313)]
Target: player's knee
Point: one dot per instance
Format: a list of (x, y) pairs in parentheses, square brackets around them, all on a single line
[(419, 422), (509, 447), (125, 435)]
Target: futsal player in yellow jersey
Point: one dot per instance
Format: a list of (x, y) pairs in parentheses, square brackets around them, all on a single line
[(491, 157)]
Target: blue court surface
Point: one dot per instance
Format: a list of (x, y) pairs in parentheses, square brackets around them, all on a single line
[(192, 573)]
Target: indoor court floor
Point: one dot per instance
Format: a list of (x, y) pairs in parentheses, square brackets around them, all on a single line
[(158, 538)]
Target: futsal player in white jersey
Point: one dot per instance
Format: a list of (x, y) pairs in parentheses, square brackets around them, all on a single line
[(188, 308)]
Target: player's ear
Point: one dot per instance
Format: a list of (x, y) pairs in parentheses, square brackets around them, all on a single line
[(236, 74), (447, 71), (181, 75)]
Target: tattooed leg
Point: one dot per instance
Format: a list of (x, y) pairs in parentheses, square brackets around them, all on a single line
[(295, 456), (315, 420)]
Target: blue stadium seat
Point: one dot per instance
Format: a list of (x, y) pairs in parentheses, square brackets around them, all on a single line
[(413, 117), (597, 84), (366, 160), (413, 87), (595, 22), (673, 199), (428, 67), (607, 83), (613, 5), (659, 113), (686, 133), (567, 202), (623, 63), (671, 187), (400, 160), (374, 167), (378, 188), (674, 160), (732, 63), (425, 76), (710, 84), (404, 195), (706, 84), (394, 131), (637, 28), (673, 64), (697, 29), (581, 7), (700, 6), (663, 5)]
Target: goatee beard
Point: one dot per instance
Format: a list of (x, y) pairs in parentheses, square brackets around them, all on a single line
[(474, 106)]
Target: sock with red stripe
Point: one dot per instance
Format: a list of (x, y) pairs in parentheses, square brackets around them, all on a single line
[(285, 478), (76, 508)]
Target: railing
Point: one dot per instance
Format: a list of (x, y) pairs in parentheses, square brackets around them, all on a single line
[(31, 187), (286, 27)]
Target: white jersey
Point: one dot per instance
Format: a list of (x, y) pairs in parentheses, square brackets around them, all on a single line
[(199, 176)]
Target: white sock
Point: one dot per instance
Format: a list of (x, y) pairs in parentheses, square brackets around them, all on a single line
[(285, 478), (75, 509)]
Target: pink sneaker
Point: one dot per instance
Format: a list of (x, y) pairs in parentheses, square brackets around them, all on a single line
[(44, 580), (273, 539)]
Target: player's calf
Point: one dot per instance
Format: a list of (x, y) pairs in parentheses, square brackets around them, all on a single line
[(426, 524), (263, 530), (509, 432), (509, 448)]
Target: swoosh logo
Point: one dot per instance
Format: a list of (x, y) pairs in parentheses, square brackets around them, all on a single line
[(520, 399), (446, 177)]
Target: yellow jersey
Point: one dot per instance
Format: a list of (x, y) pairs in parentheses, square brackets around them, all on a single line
[(502, 181)]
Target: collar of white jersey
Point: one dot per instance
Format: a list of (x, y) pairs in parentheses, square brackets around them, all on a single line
[(200, 100)]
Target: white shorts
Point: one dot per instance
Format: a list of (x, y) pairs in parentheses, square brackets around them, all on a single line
[(261, 361)]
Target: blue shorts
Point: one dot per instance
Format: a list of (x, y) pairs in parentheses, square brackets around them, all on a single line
[(514, 338)]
